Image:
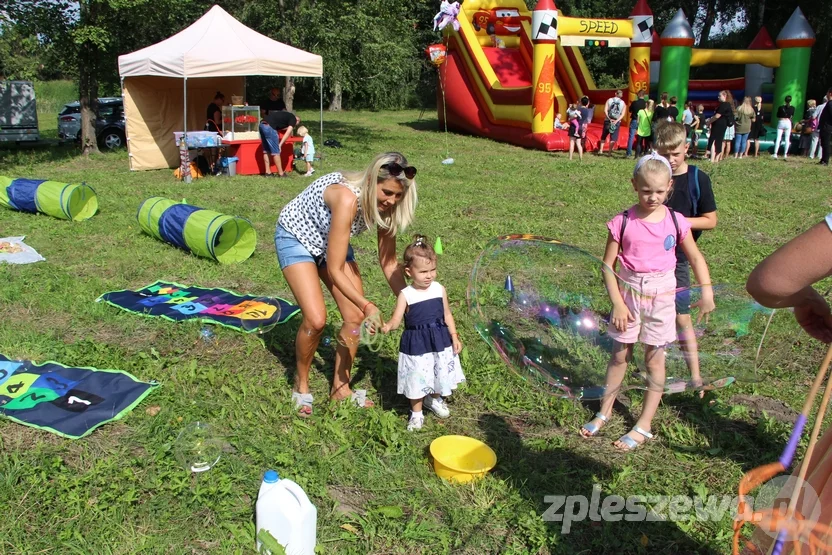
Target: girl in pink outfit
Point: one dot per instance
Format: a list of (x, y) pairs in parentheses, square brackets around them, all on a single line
[(643, 293)]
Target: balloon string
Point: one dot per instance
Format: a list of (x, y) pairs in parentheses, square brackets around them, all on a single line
[(442, 88)]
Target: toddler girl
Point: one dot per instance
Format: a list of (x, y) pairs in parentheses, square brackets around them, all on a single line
[(644, 304), (428, 363), (308, 149)]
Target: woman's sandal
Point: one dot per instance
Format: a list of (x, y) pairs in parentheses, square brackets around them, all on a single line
[(303, 402), (631, 443), (359, 397), (593, 428)]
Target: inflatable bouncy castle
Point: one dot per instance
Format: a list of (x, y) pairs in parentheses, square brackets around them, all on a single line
[(508, 70)]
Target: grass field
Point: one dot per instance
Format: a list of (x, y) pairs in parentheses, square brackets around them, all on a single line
[(121, 490)]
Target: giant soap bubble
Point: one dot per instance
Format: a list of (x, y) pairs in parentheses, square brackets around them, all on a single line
[(543, 306)]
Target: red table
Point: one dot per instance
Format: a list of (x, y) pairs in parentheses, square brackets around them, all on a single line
[(250, 154)]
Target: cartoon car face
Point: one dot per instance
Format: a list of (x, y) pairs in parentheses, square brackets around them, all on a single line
[(499, 21)]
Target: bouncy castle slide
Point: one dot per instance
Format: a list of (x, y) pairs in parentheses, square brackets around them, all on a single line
[(489, 89)]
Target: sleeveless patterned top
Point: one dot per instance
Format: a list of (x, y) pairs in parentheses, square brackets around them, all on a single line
[(309, 219)]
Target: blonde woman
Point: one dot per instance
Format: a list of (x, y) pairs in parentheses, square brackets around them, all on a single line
[(758, 129), (742, 127), (313, 245)]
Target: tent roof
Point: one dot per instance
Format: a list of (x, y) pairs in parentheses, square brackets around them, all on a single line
[(217, 45)]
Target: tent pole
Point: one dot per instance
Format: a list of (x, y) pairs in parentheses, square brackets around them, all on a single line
[(184, 105)]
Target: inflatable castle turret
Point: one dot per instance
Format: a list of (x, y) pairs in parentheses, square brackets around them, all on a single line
[(642, 18), (677, 50), (757, 75), (544, 41), (795, 42)]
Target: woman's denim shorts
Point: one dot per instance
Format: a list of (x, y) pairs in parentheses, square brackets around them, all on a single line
[(291, 251)]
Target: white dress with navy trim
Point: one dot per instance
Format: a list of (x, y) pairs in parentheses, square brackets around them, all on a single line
[(427, 363)]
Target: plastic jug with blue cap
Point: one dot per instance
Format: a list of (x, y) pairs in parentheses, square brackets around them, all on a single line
[(285, 513)]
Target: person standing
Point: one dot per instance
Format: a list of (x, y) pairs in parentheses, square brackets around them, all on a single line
[(718, 125), (825, 127), (613, 114), (274, 103), (312, 240), (635, 107), (785, 114), (758, 129)]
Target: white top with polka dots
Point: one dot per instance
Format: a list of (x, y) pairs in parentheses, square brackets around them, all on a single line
[(308, 218)]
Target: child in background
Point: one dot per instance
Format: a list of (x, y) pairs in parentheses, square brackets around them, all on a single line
[(641, 311), (645, 128), (693, 198), (573, 115), (429, 366), (559, 124), (308, 149)]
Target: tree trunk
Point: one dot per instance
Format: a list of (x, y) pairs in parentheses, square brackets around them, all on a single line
[(335, 99), (289, 93), (88, 82), (710, 18)]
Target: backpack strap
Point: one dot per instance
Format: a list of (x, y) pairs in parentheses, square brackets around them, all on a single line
[(693, 189), (626, 217), (675, 225)]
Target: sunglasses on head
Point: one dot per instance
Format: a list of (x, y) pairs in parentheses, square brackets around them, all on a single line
[(395, 169)]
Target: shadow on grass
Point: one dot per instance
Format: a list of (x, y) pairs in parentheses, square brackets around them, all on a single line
[(743, 442), (42, 152), (382, 370), (535, 474)]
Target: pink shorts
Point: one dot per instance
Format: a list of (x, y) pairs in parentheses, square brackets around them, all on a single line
[(651, 298)]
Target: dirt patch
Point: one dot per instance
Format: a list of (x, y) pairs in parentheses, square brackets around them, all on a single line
[(758, 405), (348, 500)]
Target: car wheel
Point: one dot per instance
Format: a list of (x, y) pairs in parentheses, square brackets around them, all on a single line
[(476, 26), (112, 140), (490, 29)]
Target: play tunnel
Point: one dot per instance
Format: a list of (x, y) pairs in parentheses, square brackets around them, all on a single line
[(67, 201), (226, 239)]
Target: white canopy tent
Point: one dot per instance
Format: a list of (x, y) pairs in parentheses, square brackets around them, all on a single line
[(167, 86)]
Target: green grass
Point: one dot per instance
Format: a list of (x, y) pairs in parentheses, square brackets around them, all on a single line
[(51, 97), (121, 491)]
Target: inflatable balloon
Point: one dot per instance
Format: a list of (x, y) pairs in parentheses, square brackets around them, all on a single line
[(448, 13), (543, 306), (436, 54)]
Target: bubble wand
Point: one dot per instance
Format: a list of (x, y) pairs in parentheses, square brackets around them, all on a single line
[(775, 519)]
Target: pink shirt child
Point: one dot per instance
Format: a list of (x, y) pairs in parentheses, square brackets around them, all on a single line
[(648, 247)]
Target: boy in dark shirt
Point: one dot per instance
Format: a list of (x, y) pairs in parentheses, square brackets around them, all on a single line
[(693, 197), (673, 111), (660, 112)]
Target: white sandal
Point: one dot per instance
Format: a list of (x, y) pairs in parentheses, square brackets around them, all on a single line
[(631, 443), (593, 428), (303, 403)]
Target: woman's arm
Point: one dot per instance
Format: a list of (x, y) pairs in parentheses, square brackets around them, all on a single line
[(344, 205), (398, 313), (785, 279), (388, 262), (620, 313), (449, 319)]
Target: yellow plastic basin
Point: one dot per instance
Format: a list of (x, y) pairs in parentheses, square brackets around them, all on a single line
[(461, 459)]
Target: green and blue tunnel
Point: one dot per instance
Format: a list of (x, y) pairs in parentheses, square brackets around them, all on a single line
[(67, 201), (226, 239)]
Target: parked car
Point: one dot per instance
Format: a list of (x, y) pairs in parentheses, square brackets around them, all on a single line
[(18, 112), (109, 125)]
